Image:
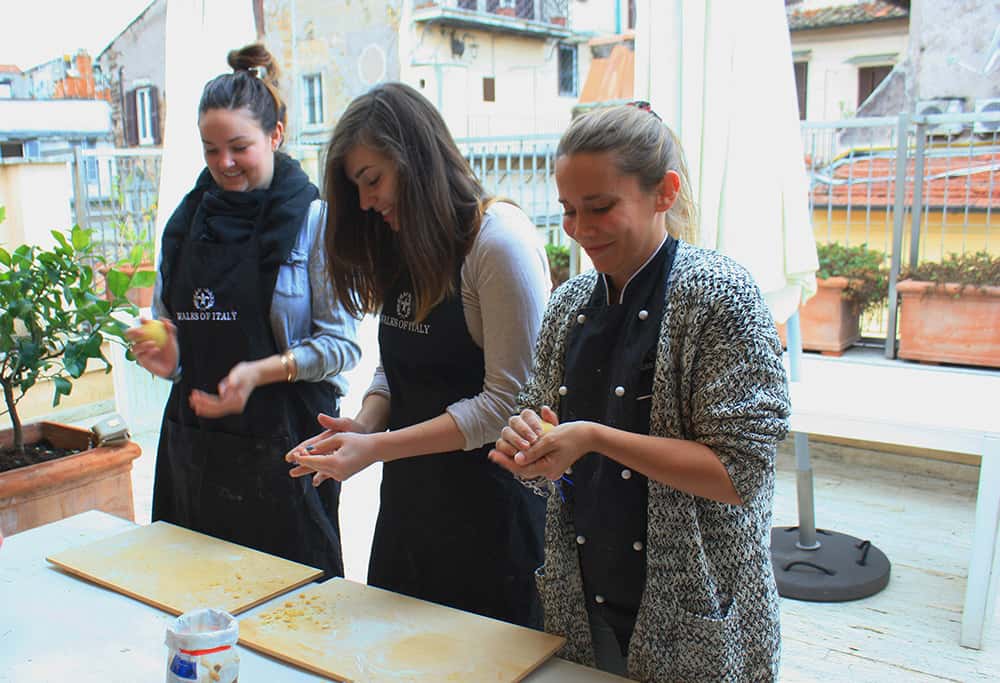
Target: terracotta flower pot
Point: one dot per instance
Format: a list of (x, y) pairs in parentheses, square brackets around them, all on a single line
[(94, 479), (830, 323), (949, 324), (506, 11)]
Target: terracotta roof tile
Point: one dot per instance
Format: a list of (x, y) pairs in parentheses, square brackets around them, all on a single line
[(843, 15), (955, 181)]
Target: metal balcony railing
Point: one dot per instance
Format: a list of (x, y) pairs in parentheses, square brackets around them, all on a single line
[(545, 11)]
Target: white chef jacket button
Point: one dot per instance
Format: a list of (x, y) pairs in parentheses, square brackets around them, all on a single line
[(563, 390), (581, 319), (637, 546), (580, 540), (619, 391), (643, 314), (626, 474), (599, 599)]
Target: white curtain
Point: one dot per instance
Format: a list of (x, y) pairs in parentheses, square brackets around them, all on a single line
[(720, 74), (200, 33)]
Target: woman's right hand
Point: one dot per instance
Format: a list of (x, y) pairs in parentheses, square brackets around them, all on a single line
[(319, 443), (159, 360)]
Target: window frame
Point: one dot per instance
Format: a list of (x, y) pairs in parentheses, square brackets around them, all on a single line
[(573, 51), (313, 113), (146, 134)]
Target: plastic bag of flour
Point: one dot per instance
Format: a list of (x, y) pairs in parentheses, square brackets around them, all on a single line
[(202, 647)]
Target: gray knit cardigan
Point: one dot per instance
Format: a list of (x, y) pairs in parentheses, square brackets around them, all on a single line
[(709, 611)]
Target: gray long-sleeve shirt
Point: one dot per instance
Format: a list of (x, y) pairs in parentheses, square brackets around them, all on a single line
[(505, 286)]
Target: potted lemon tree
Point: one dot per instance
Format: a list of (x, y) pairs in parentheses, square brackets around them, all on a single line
[(850, 281), (950, 311), (52, 325)]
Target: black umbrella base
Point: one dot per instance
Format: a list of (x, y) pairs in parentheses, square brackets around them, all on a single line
[(843, 567)]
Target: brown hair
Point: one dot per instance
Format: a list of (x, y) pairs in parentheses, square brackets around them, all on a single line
[(439, 203), (644, 147), (253, 85)]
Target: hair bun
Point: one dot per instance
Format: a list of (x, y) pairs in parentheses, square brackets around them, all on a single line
[(255, 59)]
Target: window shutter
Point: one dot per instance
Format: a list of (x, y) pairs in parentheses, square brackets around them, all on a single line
[(154, 114), (131, 123)]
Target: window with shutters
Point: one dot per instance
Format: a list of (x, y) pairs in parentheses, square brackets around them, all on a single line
[(312, 88), (142, 116), (489, 89)]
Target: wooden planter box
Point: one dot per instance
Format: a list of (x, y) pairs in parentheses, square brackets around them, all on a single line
[(936, 326), (95, 479), (830, 324)]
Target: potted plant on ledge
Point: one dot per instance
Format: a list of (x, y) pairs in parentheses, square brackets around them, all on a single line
[(950, 311), (850, 280), (51, 325)]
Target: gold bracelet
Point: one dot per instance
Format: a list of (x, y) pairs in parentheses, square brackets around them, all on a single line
[(288, 363)]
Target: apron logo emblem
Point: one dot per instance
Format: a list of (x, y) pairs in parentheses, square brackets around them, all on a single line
[(203, 299), (404, 305)]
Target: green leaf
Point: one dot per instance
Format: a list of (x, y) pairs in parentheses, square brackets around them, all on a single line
[(118, 283), (3, 213), (142, 278), (80, 238), (63, 387), (60, 238), (4, 256)]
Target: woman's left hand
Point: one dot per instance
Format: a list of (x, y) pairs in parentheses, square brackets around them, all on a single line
[(339, 456), (550, 455), (234, 391)]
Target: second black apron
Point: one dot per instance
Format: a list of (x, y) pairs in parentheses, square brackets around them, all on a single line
[(453, 528), (227, 477)]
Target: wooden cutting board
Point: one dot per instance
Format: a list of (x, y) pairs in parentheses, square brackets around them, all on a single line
[(178, 570), (351, 632)]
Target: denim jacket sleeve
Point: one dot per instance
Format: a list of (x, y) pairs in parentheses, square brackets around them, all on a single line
[(306, 315)]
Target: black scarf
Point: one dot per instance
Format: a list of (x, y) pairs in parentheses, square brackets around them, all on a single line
[(210, 213)]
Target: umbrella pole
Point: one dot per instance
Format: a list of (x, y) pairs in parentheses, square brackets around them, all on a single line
[(838, 567), (803, 468)]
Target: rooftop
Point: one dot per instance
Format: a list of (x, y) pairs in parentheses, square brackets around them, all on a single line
[(800, 19), (956, 178)]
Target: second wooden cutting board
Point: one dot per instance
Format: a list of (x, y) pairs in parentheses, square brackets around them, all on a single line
[(178, 570), (352, 632)]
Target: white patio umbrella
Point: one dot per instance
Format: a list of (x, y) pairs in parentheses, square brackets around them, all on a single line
[(199, 35), (720, 74)]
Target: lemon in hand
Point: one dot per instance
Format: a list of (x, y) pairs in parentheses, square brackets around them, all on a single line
[(154, 331), (547, 427)]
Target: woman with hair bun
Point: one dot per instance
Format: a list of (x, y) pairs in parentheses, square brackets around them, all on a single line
[(256, 339)]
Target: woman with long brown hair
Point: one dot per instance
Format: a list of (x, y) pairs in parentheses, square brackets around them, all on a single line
[(459, 284)]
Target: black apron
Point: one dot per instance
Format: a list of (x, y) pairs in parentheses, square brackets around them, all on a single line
[(227, 477), (453, 528), (610, 361)]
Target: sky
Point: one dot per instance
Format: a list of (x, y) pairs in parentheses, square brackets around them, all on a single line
[(48, 29)]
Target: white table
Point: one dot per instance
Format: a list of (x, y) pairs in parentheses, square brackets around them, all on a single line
[(57, 627), (947, 409)]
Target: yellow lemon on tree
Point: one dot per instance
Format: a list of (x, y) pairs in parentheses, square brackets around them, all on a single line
[(154, 331)]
